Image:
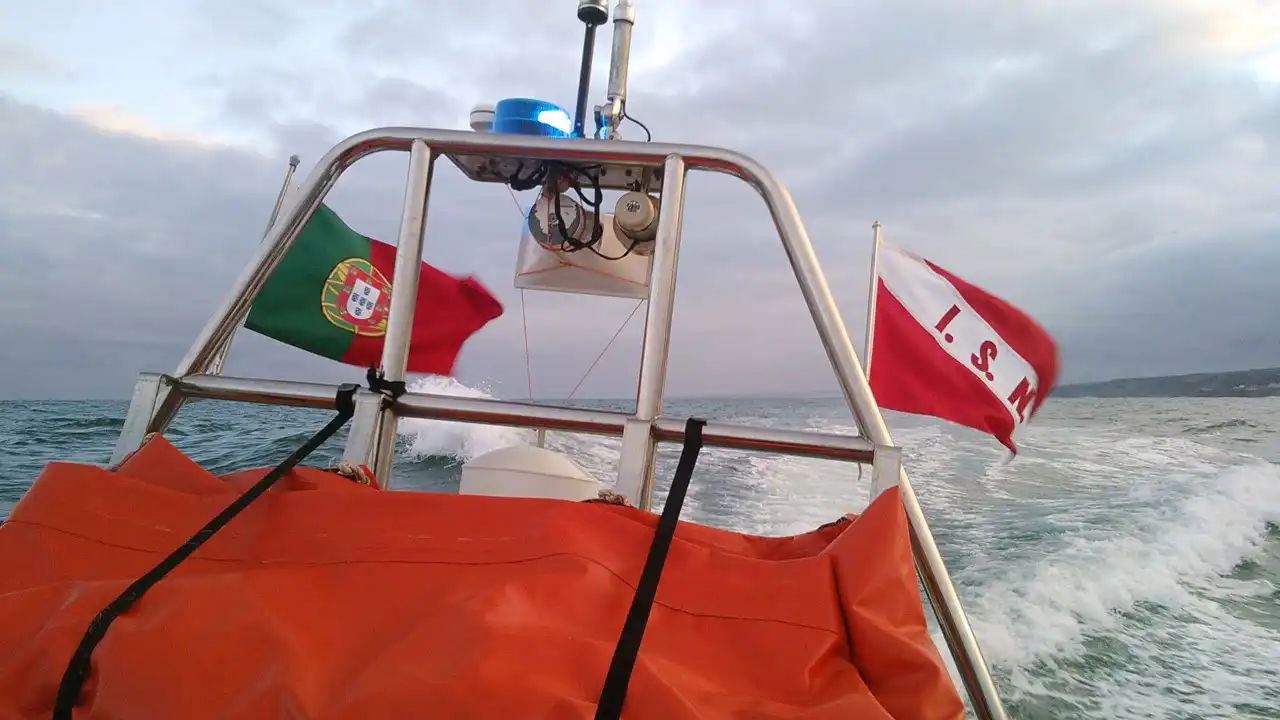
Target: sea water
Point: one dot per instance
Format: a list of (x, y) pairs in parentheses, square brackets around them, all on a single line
[(1125, 565)]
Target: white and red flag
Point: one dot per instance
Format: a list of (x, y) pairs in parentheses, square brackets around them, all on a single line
[(943, 347)]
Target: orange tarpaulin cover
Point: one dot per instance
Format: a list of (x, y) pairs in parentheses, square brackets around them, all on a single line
[(329, 599)]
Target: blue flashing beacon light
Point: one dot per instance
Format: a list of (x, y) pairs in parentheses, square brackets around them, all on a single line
[(525, 116)]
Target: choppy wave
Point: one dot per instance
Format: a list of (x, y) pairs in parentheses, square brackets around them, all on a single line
[(1216, 427)]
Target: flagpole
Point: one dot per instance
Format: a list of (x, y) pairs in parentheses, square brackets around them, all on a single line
[(871, 296), (220, 356)]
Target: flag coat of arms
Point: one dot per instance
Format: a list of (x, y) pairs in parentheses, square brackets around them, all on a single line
[(949, 349), (331, 295)]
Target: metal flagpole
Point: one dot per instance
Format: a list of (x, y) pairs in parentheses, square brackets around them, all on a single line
[(871, 296), (220, 357)]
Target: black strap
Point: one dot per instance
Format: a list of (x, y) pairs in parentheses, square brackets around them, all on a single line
[(78, 669), (379, 383), (614, 693)]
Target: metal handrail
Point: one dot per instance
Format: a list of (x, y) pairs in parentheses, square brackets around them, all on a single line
[(642, 430), (485, 411)]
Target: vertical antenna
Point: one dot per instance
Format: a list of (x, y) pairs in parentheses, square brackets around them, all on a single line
[(872, 294), (624, 19), (593, 13), (284, 193)]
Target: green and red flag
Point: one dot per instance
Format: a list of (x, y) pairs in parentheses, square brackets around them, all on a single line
[(331, 295)]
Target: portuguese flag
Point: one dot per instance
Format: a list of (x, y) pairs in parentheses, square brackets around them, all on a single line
[(331, 294)]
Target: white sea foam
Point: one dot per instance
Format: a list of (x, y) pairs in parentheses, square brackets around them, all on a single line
[(463, 441)]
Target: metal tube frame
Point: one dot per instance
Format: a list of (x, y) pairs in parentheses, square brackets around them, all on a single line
[(408, 268), (795, 240), (829, 446), (635, 462)]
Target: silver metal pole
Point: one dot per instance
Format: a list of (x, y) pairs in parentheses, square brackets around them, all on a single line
[(872, 294), (857, 391), (284, 192), (452, 408), (657, 335), (662, 291), (404, 296), (624, 20), (219, 358)]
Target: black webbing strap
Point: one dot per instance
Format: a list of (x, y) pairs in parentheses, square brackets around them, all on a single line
[(614, 693), (379, 383), (78, 667)]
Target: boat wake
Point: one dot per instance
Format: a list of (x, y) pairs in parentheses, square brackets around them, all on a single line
[(1167, 598), (1106, 573)]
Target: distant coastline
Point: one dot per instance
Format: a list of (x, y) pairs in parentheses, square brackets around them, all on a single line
[(1236, 383)]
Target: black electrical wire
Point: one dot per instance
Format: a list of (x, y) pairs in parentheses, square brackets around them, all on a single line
[(599, 118), (551, 172), (570, 244), (648, 136)]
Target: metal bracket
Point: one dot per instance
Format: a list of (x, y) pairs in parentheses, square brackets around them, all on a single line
[(612, 176), (146, 391), (635, 463), (886, 469), (360, 447)]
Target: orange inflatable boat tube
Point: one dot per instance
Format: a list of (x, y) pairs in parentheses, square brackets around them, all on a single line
[(329, 599)]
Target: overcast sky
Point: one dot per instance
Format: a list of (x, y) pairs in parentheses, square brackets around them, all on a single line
[(1108, 165)]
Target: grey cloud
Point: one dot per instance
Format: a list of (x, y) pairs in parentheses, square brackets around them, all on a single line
[(1182, 309), (258, 23), (138, 240), (1082, 163), (99, 231), (22, 62), (477, 34), (293, 98)]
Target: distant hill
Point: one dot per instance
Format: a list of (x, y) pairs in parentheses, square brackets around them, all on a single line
[(1236, 383)]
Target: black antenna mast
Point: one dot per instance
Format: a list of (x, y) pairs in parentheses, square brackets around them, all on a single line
[(593, 13)]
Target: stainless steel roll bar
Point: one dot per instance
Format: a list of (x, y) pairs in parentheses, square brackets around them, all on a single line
[(486, 157)]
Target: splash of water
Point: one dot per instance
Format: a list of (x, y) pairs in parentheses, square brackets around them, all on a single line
[(454, 440)]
